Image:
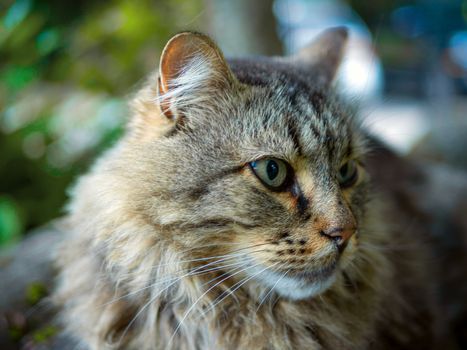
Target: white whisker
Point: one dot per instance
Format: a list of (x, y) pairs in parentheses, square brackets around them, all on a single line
[(201, 296), (197, 271), (235, 287), (151, 300), (270, 290), (198, 259)]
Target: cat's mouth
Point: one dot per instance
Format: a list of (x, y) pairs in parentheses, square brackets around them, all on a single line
[(298, 283), (313, 275)]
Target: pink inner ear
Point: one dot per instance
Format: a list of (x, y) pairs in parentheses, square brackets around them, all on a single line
[(173, 58), (191, 68), (177, 54), (181, 49)]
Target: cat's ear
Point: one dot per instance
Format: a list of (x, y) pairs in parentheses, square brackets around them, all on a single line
[(322, 57), (192, 68)]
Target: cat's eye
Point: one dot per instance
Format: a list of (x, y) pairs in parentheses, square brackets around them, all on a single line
[(348, 174), (272, 172)]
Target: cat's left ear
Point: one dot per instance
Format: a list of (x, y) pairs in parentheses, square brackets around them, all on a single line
[(323, 56), (192, 69)]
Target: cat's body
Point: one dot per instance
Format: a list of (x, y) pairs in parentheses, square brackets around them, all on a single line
[(314, 263)]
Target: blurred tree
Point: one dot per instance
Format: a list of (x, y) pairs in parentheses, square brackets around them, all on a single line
[(242, 27), (65, 68)]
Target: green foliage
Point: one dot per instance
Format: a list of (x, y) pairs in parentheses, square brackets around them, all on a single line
[(44, 334), (10, 220), (35, 292), (66, 69)]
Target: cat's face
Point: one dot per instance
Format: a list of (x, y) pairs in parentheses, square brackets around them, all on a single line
[(263, 179)]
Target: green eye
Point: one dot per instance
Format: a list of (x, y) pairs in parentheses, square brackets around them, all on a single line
[(348, 174), (272, 172)]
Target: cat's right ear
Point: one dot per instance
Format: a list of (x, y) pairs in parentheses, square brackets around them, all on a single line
[(192, 69), (322, 57)]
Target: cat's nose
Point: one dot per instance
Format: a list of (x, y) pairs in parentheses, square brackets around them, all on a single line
[(340, 235)]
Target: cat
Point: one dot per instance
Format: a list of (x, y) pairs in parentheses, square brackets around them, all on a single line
[(238, 212)]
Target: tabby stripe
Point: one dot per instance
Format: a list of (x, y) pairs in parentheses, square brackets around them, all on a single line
[(318, 100), (330, 143), (302, 201), (196, 193), (211, 223), (315, 131), (293, 134)]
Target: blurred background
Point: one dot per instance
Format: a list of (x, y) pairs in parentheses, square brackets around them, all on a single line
[(68, 67)]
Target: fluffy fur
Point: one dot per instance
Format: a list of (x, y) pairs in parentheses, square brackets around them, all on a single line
[(175, 244)]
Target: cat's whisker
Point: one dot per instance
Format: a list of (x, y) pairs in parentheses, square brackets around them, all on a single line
[(270, 290), (224, 274), (200, 259), (235, 287), (212, 245), (197, 271), (170, 279), (151, 300), (201, 296), (224, 257)]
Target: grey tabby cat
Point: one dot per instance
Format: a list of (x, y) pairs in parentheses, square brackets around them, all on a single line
[(238, 212)]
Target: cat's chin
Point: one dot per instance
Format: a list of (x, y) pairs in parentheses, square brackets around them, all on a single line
[(303, 285)]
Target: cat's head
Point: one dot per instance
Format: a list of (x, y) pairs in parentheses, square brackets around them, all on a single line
[(252, 166)]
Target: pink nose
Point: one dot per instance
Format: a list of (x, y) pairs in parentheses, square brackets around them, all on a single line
[(340, 235)]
